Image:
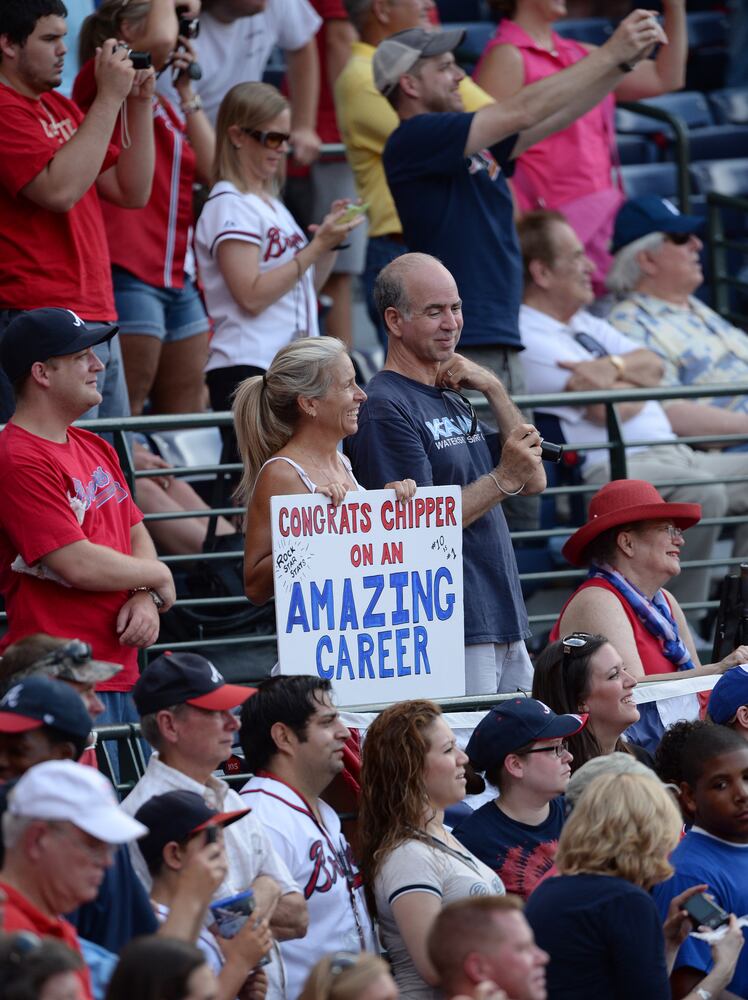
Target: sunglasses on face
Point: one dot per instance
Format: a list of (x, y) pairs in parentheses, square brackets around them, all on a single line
[(680, 239), (270, 140)]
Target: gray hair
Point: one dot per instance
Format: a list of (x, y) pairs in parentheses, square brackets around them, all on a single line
[(14, 828), (390, 290), (357, 11), (625, 272), (610, 763), (150, 729)]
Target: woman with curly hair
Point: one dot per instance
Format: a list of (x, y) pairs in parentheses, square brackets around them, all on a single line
[(412, 771), (597, 919)]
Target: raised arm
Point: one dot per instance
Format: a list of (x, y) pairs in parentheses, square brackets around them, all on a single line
[(668, 70), (567, 94), (75, 167)]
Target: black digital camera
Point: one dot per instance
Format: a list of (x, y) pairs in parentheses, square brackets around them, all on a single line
[(140, 60), (189, 27)]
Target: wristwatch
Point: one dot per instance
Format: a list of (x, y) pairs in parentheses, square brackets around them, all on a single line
[(155, 596), (618, 363), (703, 994)]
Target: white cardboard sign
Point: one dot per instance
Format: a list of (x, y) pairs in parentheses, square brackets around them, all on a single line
[(369, 594)]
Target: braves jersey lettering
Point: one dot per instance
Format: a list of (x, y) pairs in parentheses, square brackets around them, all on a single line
[(99, 489), (326, 869), (278, 242)]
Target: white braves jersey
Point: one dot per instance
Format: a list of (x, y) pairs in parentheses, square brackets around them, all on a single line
[(238, 337), (319, 859)]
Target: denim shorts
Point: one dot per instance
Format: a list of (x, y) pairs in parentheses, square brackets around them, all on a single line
[(167, 313)]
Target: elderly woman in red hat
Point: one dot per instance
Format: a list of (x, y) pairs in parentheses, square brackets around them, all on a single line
[(631, 545)]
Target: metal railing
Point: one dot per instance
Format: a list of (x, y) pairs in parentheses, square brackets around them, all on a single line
[(719, 245)]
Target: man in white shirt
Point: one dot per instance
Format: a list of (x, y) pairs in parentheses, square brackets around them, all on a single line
[(185, 707), (568, 350), (234, 45), (293, 739)]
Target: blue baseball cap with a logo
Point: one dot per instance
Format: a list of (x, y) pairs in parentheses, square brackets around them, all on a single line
[(39, 334), (513, 724), (650, 214), (34, 702), (186, 678), (729, 694)]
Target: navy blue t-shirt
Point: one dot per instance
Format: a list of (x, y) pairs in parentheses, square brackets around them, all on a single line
[(604, 936), (520, 854), (460, 210), (407, 430)]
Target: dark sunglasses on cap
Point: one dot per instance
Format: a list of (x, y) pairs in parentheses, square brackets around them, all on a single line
[(680, 239), (270, 140)]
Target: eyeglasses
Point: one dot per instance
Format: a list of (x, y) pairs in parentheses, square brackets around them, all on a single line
[(270, 140), (342, 960), (558, 749), (463, 403), (673, 530), (680, 239), (99, 850)]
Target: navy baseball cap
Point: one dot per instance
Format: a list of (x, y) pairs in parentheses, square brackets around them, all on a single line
[(185, 678), (728, 694), (639, 217), (177, 816), (38, 701), (513, 724), (39, 334)]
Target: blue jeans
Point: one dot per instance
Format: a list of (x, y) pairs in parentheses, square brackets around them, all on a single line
[(380, 251)]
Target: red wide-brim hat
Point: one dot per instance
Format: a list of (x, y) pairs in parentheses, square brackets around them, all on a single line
[(626, 501)]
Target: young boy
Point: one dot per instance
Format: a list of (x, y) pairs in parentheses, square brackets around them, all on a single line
[(714, 763), (521, 747)]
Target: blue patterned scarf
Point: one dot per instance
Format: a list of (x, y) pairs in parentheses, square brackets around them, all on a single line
[(655, 615)]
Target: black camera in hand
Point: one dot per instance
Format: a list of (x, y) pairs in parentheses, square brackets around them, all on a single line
[(140, 60), (189, 27), (551, 452)]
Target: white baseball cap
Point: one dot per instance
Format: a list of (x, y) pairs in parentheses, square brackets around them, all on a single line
[(63, 790)]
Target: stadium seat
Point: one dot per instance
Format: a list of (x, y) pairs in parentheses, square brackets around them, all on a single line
[(719, 142), (706, 28), (635, 149), (689, 105), (477, 35), (650, 178), (728, 177), (730, 105), (594, 30), (461, 10)]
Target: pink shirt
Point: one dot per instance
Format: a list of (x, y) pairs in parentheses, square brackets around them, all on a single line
[(570, 163)]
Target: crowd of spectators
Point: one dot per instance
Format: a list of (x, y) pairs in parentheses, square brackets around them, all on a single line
[(168, 234)]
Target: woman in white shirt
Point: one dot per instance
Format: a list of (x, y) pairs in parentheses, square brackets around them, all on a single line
[(259, 273), (412, 866)]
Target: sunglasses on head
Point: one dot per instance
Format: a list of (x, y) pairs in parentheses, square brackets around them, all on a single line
[(270, 140), (572, 644), (680, 239)]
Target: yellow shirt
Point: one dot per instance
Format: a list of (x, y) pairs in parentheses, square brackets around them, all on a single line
[(366, 120)]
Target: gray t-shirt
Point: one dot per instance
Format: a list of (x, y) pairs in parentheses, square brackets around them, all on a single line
[(420, 866)]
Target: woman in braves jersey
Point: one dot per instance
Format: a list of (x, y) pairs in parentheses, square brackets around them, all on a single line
[(162, 322), (412, 866), (259, 272)]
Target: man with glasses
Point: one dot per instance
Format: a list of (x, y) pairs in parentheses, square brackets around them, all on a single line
[(521, 747), (657, 271), (569, 350), (60, 829), (416, 424)]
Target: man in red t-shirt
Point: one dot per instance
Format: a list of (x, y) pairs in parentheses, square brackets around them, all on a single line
[(60, 827), (73, 547), (53, 161)]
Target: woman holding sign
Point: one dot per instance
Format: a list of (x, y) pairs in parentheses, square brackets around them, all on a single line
[(412, 771), (289, 423)]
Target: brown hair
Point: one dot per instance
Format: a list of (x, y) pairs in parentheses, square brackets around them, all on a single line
[(105, 23), (250, 106), (393, 793), (534, 230)]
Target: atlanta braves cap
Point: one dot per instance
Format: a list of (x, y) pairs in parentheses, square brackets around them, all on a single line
[(177, 816), (728, 694), (38, 701), (39, 334), (513, 724), (185, 678)]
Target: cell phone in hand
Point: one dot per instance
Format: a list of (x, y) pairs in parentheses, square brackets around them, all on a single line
[(352, 211), (231, 913), (211, 834), (704, 912)]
